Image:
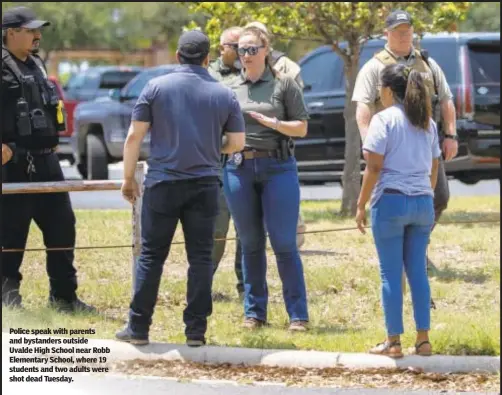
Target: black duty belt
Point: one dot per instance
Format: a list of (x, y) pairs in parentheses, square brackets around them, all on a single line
[(199, 180), (41, 151)]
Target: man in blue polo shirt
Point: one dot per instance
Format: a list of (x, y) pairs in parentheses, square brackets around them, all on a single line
[(193, 119)]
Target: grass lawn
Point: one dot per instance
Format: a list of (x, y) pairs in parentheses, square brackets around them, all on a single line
[(342, 278)]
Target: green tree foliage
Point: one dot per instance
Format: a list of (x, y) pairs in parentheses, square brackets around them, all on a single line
[(108, 25), (332, 23), (482, 17)]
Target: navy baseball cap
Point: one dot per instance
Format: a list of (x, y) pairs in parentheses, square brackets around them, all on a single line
[(22, 17), (397, 18), (194, 44)]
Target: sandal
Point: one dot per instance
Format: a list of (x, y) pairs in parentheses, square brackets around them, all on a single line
[(421, 353), (385, 349)]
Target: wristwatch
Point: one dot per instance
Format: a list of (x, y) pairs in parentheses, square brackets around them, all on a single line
[(451, 136)]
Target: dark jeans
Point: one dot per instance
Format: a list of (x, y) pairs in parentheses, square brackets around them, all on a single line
[(266, 192), (221, 231), (53, 214), (195, 204)]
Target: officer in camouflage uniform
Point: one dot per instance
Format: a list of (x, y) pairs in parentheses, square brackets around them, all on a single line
[(225, 69)]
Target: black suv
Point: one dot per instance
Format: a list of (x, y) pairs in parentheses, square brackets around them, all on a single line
[(471, 63)]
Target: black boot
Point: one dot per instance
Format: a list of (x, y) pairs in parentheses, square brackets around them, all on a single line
[(73, 306), (10, 293)]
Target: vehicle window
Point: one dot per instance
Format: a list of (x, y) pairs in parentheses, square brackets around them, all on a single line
[(485, 64), (367, 53), (446, 56), (133, 90), (323, 72), (116, 79), (83, 80)]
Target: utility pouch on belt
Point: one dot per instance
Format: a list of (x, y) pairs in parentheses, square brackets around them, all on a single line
[(23, 121), (38, 119)]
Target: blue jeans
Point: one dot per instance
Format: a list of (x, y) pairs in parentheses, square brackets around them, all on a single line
[(401, 228), (265, 192), (195, 204)]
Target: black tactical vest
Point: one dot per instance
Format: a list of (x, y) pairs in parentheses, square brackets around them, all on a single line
[(41, 101)]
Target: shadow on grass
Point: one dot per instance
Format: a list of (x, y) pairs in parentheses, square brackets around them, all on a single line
[(312, 216), (487, 350), (492, 219), (448, 275), (334, 330), (321, 253), (266, 342), (34, 317), (220, 297)]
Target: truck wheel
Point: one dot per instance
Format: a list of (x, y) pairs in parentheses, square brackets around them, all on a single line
[(468, 178), (97, 158)]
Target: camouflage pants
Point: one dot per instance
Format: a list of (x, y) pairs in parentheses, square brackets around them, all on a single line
[(220, 234)]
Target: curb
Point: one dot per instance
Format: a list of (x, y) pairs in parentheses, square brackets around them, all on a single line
[(119, 351)]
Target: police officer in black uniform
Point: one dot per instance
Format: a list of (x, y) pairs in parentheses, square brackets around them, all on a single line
[(31, 118)]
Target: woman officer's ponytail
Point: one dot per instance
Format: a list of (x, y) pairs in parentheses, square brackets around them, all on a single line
[(409, 89)]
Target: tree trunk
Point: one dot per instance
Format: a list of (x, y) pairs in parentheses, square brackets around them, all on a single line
[(352, 169)]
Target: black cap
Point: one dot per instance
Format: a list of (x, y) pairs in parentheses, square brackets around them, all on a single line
[(397, 18), (21, 17), (194, 44)]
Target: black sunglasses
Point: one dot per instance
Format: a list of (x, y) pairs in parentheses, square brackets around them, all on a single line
[(234, 46), (252, 50)]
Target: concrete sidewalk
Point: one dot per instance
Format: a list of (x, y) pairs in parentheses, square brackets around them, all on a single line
[(119, 351)]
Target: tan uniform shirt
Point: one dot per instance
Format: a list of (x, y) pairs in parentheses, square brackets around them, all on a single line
[(288, 68), (368, 82)]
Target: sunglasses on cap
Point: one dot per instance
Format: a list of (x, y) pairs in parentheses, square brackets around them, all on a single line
[(252, 50)]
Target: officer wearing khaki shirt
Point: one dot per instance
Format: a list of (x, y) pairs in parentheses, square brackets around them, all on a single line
[(399, 49), (399, 32)]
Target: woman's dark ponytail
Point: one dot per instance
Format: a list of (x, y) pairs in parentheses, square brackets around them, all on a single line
[(417, 103), (409, 89)]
